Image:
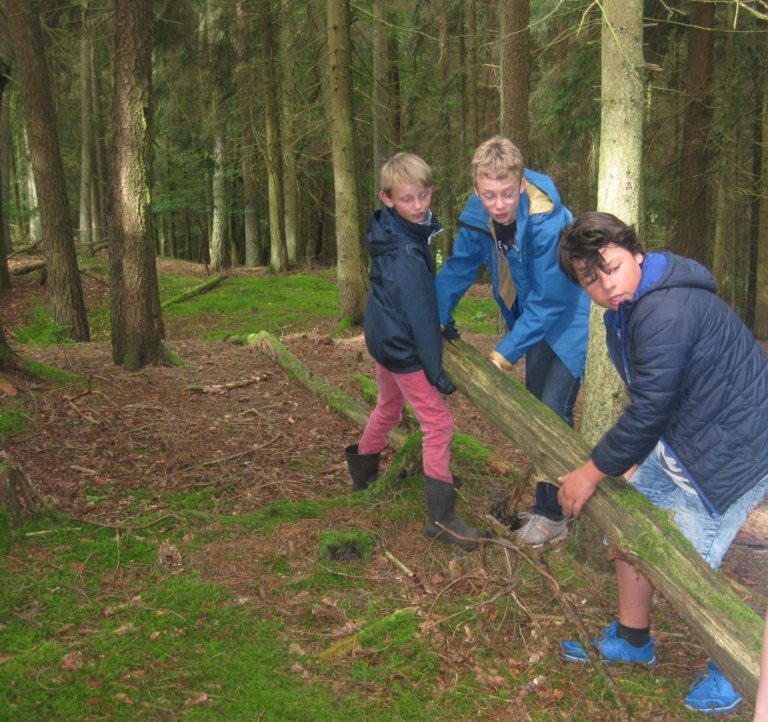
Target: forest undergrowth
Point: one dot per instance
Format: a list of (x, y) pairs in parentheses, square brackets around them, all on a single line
[(197, 554)]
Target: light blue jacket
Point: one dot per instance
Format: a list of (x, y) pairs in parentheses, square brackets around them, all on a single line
[(548, 305)]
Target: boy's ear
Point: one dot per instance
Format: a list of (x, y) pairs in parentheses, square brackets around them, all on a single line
[(385, 199), (523, 185)]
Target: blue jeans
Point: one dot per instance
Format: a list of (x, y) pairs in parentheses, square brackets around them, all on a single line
[(550, 381), (710, 535)]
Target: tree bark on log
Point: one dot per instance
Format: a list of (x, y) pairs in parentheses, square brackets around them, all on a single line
[(729, 630)]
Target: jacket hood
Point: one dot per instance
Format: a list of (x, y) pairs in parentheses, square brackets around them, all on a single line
[(387, 230), (667, 270)]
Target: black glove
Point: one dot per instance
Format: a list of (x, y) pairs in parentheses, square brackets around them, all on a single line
[(443, 385), (450, 332)]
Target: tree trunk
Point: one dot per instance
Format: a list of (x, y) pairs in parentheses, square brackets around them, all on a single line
[(472, 130), (67, 302), (692, 217), (219, 251), (278, 257), (86, 137), (515, 58), (245, 92), (761, 302), (729, 630), (137, 322), (619, 185), (352, 279), (218, 247), (5, 167), (380, 94), (288, 107), (100, 206)]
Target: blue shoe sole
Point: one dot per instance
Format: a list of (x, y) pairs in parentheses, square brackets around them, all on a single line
[(715, 710), (575, 652)]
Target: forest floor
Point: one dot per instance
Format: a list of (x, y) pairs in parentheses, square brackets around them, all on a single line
[(171, 454)]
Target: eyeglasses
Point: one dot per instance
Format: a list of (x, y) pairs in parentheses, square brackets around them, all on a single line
[(506, 197)]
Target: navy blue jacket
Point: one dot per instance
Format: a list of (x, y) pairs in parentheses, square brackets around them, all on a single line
[(696, 378), (548, 304), (402, 330)]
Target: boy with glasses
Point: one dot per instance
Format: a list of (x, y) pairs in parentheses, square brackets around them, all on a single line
[(511, 225)]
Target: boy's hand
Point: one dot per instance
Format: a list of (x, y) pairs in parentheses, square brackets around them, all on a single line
[(577, 487), (450, 332), (444, 385)]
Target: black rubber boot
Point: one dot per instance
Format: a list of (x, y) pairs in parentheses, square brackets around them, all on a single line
[(441, 499), (363, 468)]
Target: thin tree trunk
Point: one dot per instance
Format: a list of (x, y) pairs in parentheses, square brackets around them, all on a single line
[(289, 114), (101, 213), (218, 248), (692, 217), (380, 93), (619, 185), (67, 302), (137, 322), (278, 258), (352, 278), (761, 301), (515, 59), (245, 93), (33, 207), (472, 130), (5, 166), (86, 137), (6, 150)]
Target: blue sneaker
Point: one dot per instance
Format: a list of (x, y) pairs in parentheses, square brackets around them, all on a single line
[(712, 693), (612, 649)]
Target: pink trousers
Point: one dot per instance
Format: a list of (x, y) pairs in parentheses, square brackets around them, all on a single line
[(395, 390)]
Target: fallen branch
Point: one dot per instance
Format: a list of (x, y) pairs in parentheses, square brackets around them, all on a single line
[(27, 268), (202, 288), (224, 387), (729, 630), (336, 399), (350, 645)]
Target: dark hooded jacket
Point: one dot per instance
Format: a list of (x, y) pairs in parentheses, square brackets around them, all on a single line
[(402, 330), (697, 380)]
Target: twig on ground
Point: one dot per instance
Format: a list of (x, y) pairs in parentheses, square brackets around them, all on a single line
[(413, 576)]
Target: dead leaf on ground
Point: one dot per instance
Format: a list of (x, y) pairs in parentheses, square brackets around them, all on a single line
[(7, 389), (201, 698)]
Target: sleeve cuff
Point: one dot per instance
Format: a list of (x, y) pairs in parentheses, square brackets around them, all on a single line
[(499, 359)]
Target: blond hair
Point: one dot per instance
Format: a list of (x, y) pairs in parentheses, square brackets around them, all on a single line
[(497, 159), (404, 168)]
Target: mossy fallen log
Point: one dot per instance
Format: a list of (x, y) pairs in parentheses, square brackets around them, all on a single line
[(202, 288), (729, 630), (344, 405), (340, 402)]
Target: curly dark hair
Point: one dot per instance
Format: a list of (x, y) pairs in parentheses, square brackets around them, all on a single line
[(583, 240)]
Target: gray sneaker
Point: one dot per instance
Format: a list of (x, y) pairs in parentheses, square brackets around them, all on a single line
[(540, 530)]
